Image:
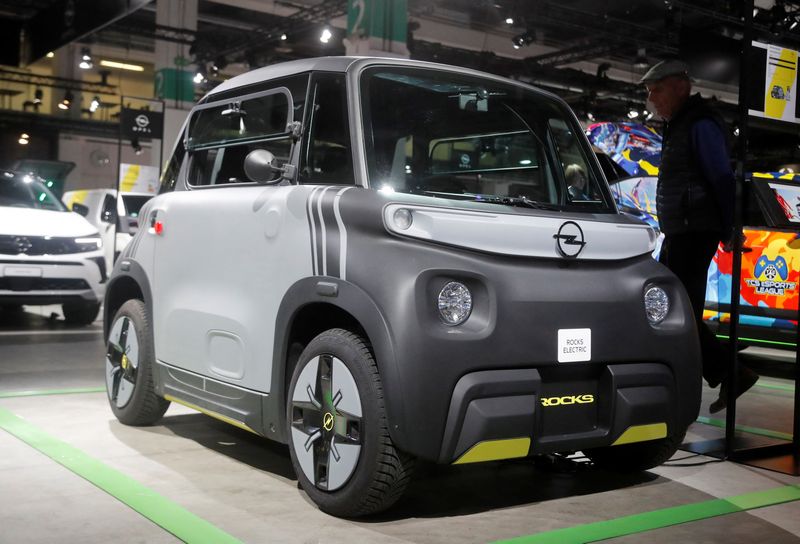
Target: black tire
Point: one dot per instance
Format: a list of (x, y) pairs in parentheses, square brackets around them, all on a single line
[(638, 456), (80, 313), (130, 362), (381, 472)]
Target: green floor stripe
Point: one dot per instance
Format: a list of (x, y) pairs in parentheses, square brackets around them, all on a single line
[(658, 519), (40, 393), (777, 386), (744, 428), (160, 510)]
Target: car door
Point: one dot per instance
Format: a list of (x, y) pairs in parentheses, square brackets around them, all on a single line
[(226, 250)]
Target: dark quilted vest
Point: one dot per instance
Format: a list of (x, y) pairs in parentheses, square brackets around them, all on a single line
[(685, 200)]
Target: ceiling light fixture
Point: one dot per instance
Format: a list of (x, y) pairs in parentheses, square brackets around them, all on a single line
[(86, 59), (509, 20), (326, 35), (284, 37), (122, 65), (94, 104), (24, 139)]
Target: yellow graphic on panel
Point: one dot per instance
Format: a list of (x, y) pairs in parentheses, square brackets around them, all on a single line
[(779, 91), (130, 178)]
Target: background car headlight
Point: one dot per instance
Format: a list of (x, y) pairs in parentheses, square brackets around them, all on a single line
[(454, 303), (88, 243), (656, 304)]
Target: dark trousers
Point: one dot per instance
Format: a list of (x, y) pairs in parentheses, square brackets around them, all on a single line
[(688, 256)]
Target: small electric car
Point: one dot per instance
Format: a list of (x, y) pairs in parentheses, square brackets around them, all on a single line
[(377, 261), (117, 219), (48, 255)]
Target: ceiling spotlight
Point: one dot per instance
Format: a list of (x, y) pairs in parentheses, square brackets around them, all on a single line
[(648, 115), (86, 59), (199, 78), (326, 35), (525, 38), (641, 59), (509, 20), (94, 104), (590, 116), (50, 55), (633, 113), (66, 102), (24, 139), (284, 37)]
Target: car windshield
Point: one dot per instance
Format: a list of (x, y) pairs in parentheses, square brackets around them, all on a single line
[(133, 204), (27, 191), (445, 134)]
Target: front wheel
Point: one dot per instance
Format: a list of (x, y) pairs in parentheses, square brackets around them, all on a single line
[(638, 456), (130, 362), (339, 444)]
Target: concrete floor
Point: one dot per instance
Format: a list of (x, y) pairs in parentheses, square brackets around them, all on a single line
[(245, 485)]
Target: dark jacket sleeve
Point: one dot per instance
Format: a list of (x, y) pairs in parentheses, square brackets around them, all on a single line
[(711, 152)]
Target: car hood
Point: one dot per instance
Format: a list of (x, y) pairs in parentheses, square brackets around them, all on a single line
[(30, 222)]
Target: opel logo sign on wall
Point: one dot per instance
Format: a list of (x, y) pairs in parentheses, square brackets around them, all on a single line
[(569, 240), (142, 121), (327, 421)]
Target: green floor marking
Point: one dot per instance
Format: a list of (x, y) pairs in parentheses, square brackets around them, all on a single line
[(42, 392), (744, 428), (160, 510), (777, 386), (658, 519)]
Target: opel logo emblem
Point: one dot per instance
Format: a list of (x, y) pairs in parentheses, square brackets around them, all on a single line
[(23, 244), (142, 120), (327, 421), (569, 240)]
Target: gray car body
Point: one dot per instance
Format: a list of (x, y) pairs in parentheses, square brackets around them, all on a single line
[(244, 275)]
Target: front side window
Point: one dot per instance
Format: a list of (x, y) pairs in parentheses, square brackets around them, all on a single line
[(444, 134), (326, 156), (27, 191)]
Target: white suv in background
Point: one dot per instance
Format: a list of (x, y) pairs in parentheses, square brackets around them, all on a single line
[(117, 220), (48, 255)]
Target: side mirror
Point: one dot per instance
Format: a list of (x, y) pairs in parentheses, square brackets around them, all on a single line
[(259, 166), (80, 209), (108, 216)]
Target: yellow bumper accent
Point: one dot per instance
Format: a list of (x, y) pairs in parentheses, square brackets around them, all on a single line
[(642, 433), (215, 415), (492, 450)]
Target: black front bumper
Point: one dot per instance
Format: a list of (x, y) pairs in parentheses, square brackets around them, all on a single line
[(558, 409)]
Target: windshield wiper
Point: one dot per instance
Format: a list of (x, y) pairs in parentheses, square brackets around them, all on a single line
[(522, 201)]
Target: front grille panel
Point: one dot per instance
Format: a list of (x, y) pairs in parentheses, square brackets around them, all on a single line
[(11, 244), (43, 284)]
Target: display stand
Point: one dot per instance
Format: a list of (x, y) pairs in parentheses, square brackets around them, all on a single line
[(771, 454)]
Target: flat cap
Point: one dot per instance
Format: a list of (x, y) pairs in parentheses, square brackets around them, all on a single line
[(666, 68)]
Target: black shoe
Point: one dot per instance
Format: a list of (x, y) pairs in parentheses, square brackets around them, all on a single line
[(747, 379)]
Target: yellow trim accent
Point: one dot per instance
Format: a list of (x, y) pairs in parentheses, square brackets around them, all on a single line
[(492, 450), (641, 433), (211, 413)]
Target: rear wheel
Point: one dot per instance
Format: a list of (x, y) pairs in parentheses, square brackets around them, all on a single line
[(129, 368), (339, 443), (638, 456), (80, 313)]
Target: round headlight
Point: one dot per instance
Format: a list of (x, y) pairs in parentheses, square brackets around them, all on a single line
[(454, 303), (656, 304)]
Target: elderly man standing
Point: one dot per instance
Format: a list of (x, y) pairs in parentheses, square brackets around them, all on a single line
[(695, 201)]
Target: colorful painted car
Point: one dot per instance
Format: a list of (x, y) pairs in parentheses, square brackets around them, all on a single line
[(771, 258)]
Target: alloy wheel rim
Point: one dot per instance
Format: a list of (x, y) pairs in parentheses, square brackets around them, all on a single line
[(122, 361), (327, 422)]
